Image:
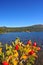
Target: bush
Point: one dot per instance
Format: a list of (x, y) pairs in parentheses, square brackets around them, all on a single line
[(19, 53)]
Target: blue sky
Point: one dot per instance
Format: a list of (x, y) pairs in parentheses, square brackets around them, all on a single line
[(18, 13)]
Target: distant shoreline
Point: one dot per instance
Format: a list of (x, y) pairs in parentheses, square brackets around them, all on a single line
[(34, 28)]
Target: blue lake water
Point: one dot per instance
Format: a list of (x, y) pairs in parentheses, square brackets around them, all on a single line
[(24, 36)]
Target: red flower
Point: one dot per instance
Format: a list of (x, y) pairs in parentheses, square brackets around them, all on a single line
[(34, 44), (16, 47), (31, 52), (5, 63), (29, 42)]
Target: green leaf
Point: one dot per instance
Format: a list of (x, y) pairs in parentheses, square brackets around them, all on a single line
[(29, 64), (31, 59)]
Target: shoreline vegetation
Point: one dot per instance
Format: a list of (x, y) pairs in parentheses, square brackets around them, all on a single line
[(34, 28)]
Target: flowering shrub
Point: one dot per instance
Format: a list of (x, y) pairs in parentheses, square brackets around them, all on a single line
[(18, 53)]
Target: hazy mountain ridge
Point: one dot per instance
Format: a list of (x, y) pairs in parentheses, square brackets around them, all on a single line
[(20, 29)]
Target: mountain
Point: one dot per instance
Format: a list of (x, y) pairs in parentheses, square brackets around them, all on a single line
[(36, 28), (33, 28)]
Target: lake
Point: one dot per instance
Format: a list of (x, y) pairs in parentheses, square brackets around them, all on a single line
[(24, 36)]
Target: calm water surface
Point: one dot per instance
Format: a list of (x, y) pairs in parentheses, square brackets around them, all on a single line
[(24, 36)]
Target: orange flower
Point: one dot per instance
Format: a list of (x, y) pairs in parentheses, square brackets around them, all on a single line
[(0, 49), (24, 57), (38, 48)]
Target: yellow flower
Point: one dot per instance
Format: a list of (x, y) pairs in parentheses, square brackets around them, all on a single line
[(15, 62), (15, 53), (27, 45)]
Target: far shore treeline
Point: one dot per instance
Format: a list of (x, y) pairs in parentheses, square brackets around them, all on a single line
[(33, 28)]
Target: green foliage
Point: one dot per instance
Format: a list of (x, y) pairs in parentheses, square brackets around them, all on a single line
[(29, 64), (31, 60)]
